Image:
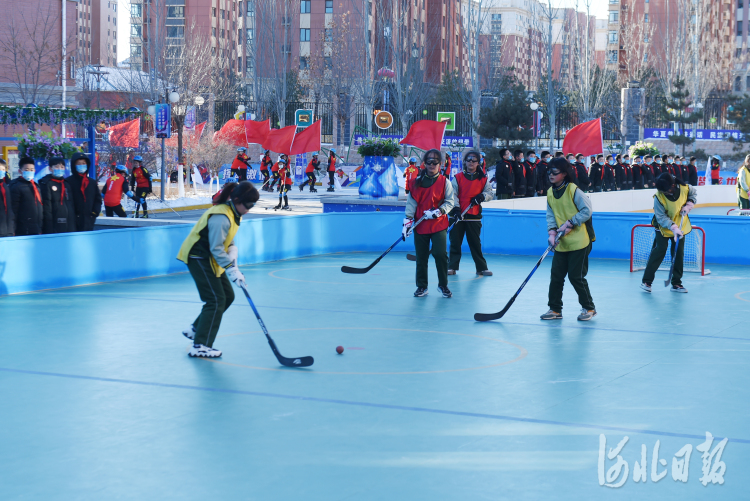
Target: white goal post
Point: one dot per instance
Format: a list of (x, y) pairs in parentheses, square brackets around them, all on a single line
[(642, 239)]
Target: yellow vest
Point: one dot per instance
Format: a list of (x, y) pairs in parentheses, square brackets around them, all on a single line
[(194, 235), (565, 208), (743, 173), (673, 211)]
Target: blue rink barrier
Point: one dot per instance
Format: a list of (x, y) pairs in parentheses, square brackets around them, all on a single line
[(53, 261)]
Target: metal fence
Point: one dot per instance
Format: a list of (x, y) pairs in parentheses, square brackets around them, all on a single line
[(714, 114), (365, 119), (568, 117)]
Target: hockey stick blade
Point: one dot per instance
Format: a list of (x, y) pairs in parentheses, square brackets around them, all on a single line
[(411, 257), (286, 362)]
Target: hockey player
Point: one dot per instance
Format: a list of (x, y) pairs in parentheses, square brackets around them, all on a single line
[(743, 184), (59, 214), (87, 199), (331, 169), (447, 167), (285, 183), (113, 189), (431, 195), (484, 163), (569, 212), (211, 258), (275, 173), (265, 164), (672, 203), (469, 186), (141, 181), (240, 164), (410, 173), (312, 166)]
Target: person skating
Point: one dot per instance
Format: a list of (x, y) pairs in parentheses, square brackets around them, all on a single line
[(519, 177), (59, 215), (7, 220), (275, 173), (265, 164), (504, 181), (529, 172), (715, 171), (114, 188), (140, 179), (285, 183), (542, 179), (447, 166), (211, 258), (26, 200), (87, 199), (568, 211), (331, 169), (672, 203), (484, 162), (410, 173), (431, 195), (582, 174), (240, 164), (743, 184), (469, 186), (312, 166)]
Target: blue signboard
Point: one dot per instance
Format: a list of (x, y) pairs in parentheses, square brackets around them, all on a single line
[(456, 163), (163, 121), (253, 174), (700, 134), (300, 163), (448, 141)]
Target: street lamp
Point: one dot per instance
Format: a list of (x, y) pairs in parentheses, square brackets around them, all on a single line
[(534, 107)]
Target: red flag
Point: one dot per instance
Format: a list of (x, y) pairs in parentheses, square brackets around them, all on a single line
[(585, 138), (308, 140), (189, 138), (125, 135), (280, 140), (425, 134), (257, 132), (233, 132)]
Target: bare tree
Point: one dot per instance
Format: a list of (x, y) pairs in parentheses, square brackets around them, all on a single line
[(634, 38), (476, 25), (212, 154)]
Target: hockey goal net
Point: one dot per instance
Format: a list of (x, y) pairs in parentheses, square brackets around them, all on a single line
[(642, 239)]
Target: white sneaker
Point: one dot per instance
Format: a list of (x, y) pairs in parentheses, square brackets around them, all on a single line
[(200, 350), (189, 333)]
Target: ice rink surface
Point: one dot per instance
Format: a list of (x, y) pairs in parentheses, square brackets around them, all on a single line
[(100, 400)]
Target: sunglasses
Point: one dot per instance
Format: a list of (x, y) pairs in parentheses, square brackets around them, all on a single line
[(248, 205), (555, 173), (432, 162), (472, 159)]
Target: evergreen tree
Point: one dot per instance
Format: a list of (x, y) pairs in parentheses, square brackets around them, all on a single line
[(510, 118), (452, 90), (675, 110)]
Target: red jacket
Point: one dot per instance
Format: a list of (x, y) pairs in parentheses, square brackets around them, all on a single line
[(427, 199)]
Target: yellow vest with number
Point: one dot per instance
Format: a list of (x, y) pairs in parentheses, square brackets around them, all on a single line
[(565, 208), (194, 235), (673, 211), (744, 174)]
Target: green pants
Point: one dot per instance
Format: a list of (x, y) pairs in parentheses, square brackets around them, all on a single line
[(743, 203), (216, 293), (658, 251), (472, 228), (439, 252), (574, 264)]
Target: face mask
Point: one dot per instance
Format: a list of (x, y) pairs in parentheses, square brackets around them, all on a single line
[(626, 161), (545, 160), (82, 168), (28, 175), (532, 159), (600, 162), (669, 161), (658, 161), (58, 172), (572, 161), (520, 159), (2, 173), (611, 162)]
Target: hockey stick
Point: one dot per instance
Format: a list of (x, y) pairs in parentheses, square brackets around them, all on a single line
[(412, 257), (163, 202), (349, 269), (287, 362), (486, 317), (674, 253)]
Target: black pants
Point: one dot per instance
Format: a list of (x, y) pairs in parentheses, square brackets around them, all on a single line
[(330, 179), (111, 211), (242, 174), (310, 179), (141, 193), (743, 203), (283, 190), (714, 181), (597, 189), (472, 228), (658, 251), (266, 177), (439, 252), (216, 293), (274, 180), (574, 264)]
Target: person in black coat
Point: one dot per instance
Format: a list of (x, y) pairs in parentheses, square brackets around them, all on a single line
[(596, 175), (87, 199), (542, 178), (649, 172), (684, 172), (7, 221), (692, 172), (627, 173), (608, 177), (529, 170), (27, 201), (504, 176), (59, 215), (573, 171), (519, 176), (583, 176)]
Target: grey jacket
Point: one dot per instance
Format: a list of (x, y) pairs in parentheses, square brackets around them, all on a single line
[(583, 204), (660, 212), (218, 229)]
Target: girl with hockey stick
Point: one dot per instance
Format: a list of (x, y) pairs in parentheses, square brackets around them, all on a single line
[(568, 211), (312, 166), (743, 184), (285, 184), (673, 201), (431, 195), (211, 258), (469, 187), (265, 164)]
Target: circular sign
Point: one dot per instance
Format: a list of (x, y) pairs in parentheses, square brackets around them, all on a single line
[(383, 120), (199, 100)]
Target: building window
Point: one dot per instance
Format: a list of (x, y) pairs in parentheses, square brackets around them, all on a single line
[(328, 62), (614, 16), (250, 9), (645, 17), (737, 52), (136, 10), (747, 82), (136, 30), (611, 56), (329, 6), (739, 4), (213, 32), (250, 63), (328, 35), (497, 17), (304, 63), (249, 32), (737, 84), (304, 6), (176, 11), (739, 28), (286, 49), (175, 31), (304, 34), (135, 50), (612, 38), (213, 11)]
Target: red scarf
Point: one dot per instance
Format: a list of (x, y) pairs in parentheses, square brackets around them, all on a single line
[(36, 192), (5, 198), (62, 188), (84, 184)]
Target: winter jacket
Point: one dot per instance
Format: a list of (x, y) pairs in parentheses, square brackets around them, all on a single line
[(7, 221), (542, 179), (87, 201), (503, 178), (608, 178), (27, 207), (529, 171), (59, 214), (583, 177), (693, 175), (595, 176), (638, 176), (519, 179)]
